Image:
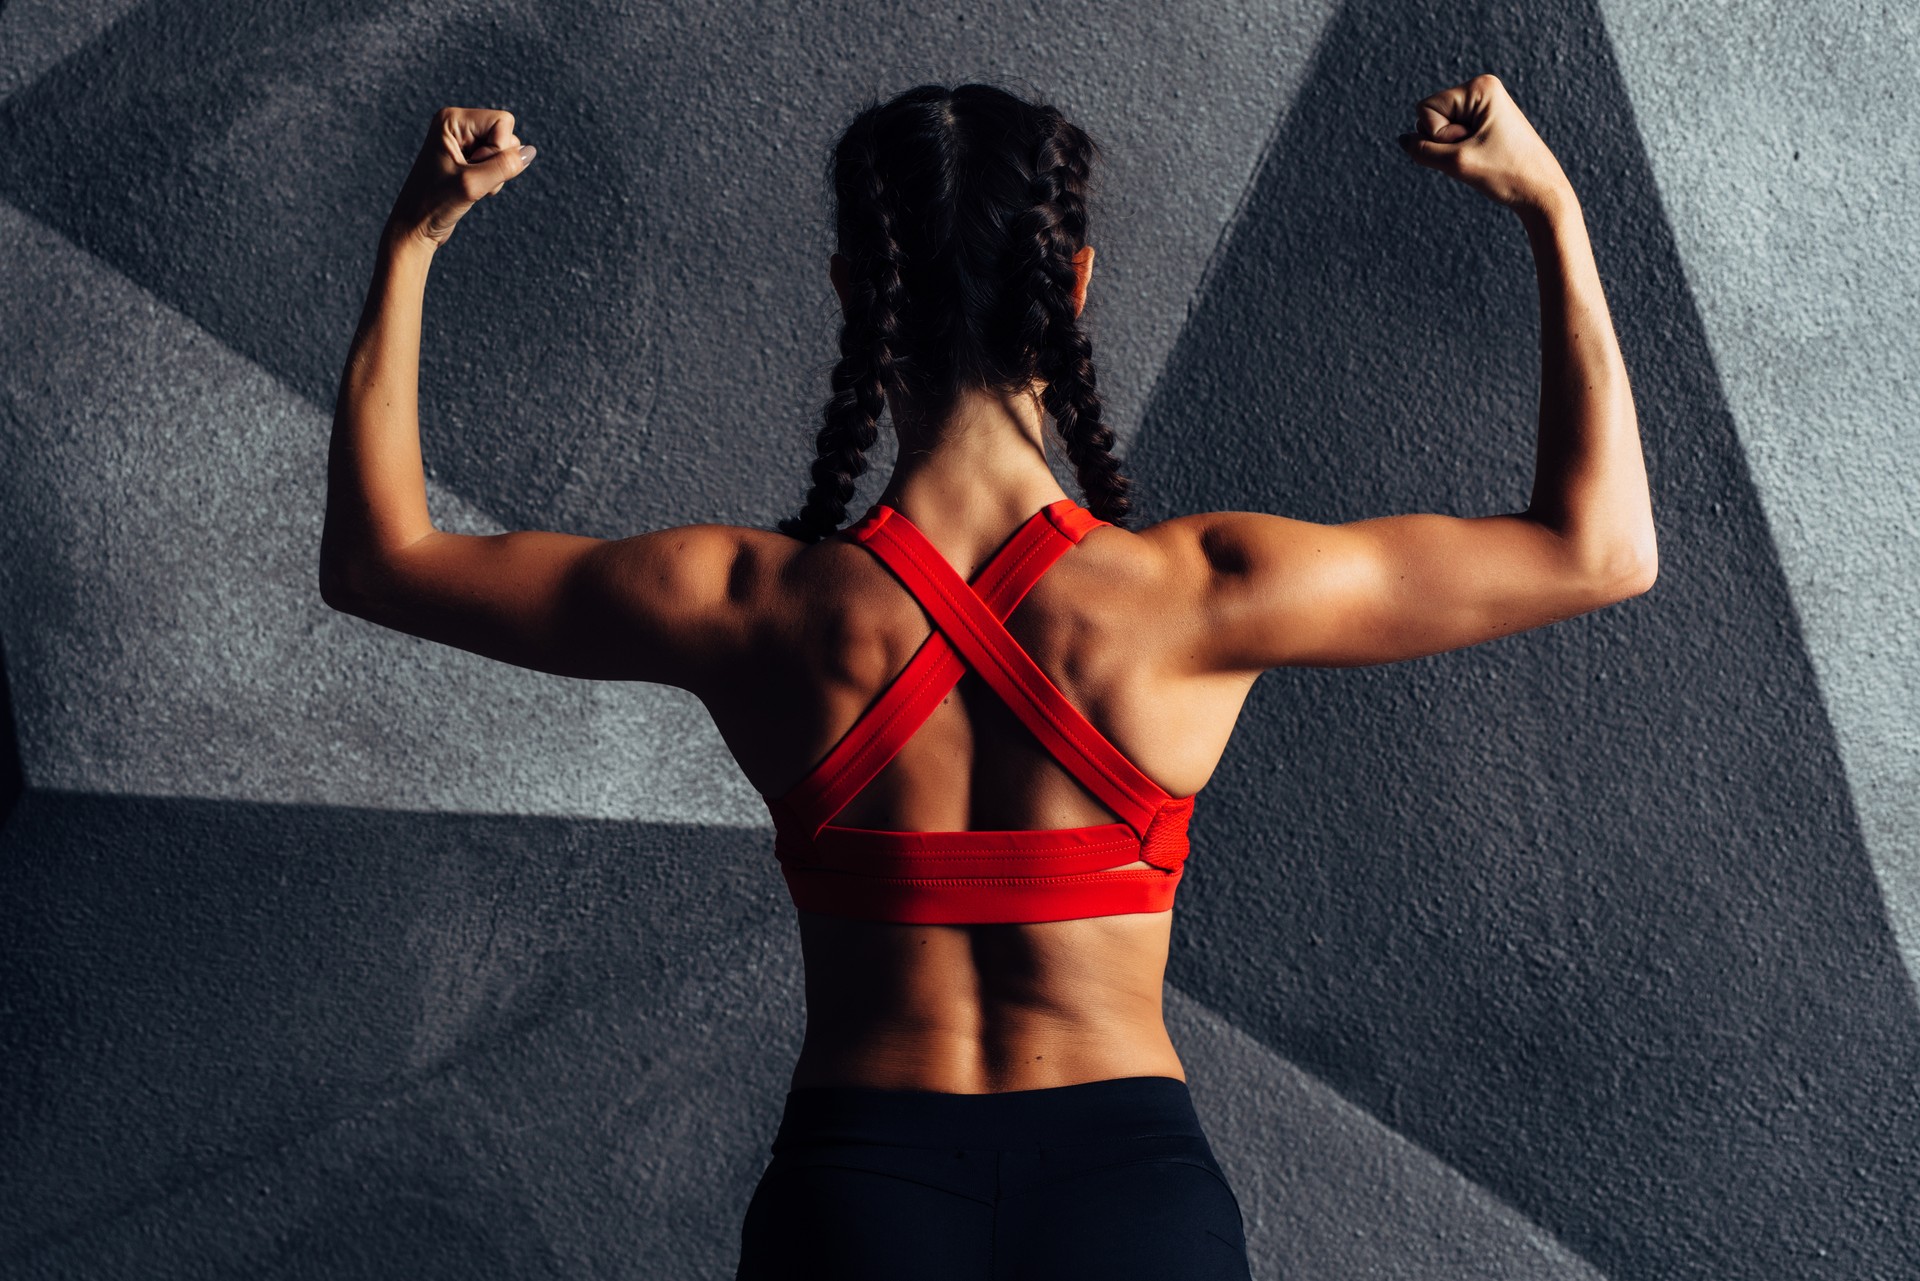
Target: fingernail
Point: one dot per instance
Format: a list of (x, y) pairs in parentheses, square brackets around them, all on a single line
[(527, 153)]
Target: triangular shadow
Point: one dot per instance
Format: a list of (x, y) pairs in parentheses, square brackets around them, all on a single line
[(1584, 911), (178, 146), (213, 983)]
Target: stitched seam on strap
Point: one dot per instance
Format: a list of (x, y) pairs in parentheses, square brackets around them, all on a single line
[(1012, 571), (962, 851), (1110, 874), (1073, 516), (984, 831), (1039, 546)]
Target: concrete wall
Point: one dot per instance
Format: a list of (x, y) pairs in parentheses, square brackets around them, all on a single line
[(327, 952)]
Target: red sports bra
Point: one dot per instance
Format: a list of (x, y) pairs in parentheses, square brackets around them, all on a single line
[(975, 877)]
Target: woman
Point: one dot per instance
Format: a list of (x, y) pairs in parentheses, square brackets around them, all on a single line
[(1029, 689)]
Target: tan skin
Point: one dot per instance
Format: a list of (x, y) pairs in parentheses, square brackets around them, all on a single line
[(1156, 635)]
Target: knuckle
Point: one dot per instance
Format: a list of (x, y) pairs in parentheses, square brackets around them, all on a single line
[(508, 117)]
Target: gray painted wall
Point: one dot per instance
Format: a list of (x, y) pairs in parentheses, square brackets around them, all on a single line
[(328, 952)]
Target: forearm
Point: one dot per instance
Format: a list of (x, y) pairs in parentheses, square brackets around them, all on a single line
[(376, 483), (1590, 478)]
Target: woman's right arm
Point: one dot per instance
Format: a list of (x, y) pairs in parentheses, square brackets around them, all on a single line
[(1284, 592)]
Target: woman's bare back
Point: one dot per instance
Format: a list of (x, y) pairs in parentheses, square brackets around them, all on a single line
[(985, 1007)]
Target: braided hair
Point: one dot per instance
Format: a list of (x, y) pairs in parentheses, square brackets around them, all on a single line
[(959, 212)]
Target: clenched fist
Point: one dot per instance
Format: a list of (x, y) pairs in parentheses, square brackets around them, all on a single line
[(470, 153), (1474, 132)]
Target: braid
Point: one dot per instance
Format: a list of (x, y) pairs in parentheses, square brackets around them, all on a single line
[(866, 370), (958, 215), (1042, 243)]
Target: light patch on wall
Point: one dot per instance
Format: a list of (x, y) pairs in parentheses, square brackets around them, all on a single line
[(167, 635), (33, 37), (1325, 1189), (1783, 142)]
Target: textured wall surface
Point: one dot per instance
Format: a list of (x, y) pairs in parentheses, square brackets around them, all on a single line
[(326, 952)]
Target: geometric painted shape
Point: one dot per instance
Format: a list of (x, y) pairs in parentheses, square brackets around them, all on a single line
[(1583, 911), (1326, 1190), (33, 37), (159, 590), (253, 1039), (1801, 239)]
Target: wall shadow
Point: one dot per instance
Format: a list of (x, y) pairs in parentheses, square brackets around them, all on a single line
[(1584, 911), (282, 1035), (13, 773), (175, 147)]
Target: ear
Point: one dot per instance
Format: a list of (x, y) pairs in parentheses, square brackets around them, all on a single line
[(837, 272), (1082, 272)]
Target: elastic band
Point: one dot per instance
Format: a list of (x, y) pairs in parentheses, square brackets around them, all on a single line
[(1015, 1120)]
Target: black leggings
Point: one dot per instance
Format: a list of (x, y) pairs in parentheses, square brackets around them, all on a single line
[(1111, 1180)]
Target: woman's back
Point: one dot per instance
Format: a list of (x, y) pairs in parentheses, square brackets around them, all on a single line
[(1116, 625)]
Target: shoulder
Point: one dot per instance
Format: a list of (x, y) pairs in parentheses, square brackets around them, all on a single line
[(1208, 554), (1150, 585), (704, 564), (734, 584), (706, 594), (1250, 580), (1225, 544)]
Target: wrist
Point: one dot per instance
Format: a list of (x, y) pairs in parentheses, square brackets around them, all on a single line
[(398, 241), (1549, 207)]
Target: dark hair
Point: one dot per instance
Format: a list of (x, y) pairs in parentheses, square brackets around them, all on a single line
[(959, 212)]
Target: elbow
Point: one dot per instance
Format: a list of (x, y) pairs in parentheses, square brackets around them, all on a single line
[(338, 579), (335, 597), (1620, 563), (1632, 571), (1641, 579), (1612, 561), (1643, 560), (1614, 570), (357, 579), (337, 590)]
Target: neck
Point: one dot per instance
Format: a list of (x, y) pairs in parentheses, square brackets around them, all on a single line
[(981, 469)]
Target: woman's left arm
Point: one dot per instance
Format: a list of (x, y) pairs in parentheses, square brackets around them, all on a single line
[(670, 606)]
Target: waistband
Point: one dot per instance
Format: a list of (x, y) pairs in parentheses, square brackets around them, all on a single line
[(1124, 1107)]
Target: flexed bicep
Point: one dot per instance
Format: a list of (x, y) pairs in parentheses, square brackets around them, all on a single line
[(670, 606), (1284, 592)]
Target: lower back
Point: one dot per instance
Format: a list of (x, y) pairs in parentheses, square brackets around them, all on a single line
[(974, 1009)]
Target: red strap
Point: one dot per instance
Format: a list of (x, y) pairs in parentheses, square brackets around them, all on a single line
[(884, 728), (995, 899), (1071, 519), (984, 642)]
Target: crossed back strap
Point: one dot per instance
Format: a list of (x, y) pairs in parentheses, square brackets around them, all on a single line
[(968, 631)]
